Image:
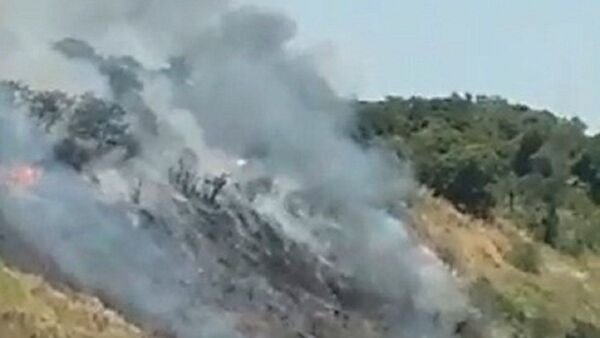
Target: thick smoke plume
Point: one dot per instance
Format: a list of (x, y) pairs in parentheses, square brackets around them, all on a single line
[(221, 81), (92, 243)]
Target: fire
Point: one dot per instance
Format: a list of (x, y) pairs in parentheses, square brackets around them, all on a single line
[(25, 176)]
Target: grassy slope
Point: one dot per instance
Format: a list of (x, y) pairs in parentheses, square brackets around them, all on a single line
[(543, 304), (29, 308)]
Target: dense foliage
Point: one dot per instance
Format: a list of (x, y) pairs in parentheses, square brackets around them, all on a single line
[(493, 158), (85, 126)]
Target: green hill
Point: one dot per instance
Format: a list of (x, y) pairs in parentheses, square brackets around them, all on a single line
[(493, 158)]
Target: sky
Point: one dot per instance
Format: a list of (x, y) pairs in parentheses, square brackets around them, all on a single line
[(545, 53)]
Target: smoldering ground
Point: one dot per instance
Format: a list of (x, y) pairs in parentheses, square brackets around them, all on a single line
[(94, 244), (222, 81)]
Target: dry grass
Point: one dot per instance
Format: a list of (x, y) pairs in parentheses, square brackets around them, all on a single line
[(545, 302), (29, 308)]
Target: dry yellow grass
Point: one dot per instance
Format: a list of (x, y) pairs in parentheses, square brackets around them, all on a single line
[(30, 308), (564, 290)]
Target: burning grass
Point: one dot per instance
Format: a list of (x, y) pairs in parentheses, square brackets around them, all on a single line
[(23, 176)]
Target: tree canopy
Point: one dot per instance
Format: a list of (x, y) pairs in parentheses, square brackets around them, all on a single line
[(494, 158)]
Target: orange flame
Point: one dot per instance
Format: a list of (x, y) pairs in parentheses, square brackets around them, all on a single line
[(25, 176)]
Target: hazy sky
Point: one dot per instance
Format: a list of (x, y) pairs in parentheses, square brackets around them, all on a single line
[(542, 52)]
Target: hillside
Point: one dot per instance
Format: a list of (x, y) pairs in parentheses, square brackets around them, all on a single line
[(492, 158), (511, 205), (524, 288), (29, 308), (507, 202), (188, 169)]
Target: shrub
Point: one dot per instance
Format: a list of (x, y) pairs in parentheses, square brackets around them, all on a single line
[(525, 257)]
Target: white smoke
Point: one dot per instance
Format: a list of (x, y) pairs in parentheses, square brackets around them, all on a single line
[(242, 95), (94, 244)]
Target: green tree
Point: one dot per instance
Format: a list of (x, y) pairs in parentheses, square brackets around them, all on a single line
[(530, 144), (551, 223), (587, 168), (465, 177)]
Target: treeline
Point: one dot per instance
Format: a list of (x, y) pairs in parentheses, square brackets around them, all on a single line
[(493, 158)]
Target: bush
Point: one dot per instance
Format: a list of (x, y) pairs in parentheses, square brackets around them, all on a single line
[(465, 178), (524, 256)]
